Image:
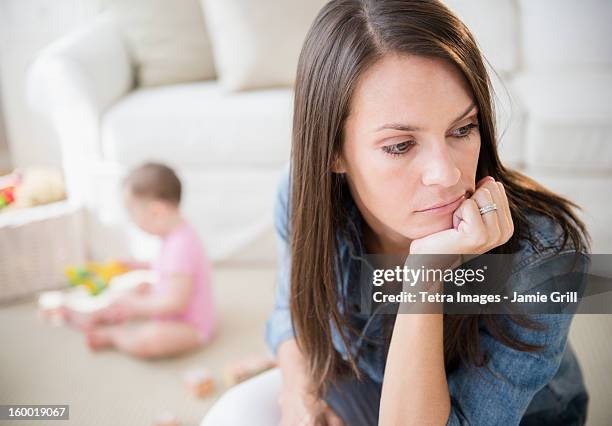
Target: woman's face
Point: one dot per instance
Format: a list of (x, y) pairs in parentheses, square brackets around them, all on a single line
[(411, 141)]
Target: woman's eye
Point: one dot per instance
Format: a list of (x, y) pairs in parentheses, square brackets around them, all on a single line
[(465, 131), (398, 148)]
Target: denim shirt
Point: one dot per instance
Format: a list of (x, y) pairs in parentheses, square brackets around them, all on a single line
[(514, 385)]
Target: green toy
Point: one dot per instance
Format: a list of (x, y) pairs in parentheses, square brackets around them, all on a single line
[(95, 277)]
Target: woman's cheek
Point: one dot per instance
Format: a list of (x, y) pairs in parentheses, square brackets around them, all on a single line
[(395, 203)]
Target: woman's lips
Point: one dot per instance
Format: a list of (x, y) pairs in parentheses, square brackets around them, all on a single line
[(447, 208)]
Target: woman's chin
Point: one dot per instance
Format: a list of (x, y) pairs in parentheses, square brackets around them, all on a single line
[(434, 225)]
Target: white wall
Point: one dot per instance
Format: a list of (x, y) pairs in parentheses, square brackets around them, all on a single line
[(26, 26)]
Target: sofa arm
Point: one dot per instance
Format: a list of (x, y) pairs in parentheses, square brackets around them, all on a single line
[(71, 83)]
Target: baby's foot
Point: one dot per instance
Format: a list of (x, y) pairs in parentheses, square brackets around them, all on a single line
[(98, 339)]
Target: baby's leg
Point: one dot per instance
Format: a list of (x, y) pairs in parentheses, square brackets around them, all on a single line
[(150, 339)]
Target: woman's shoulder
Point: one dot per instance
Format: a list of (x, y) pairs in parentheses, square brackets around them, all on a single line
[(281, 204), (284, 184), (544, 238), (546, 250)]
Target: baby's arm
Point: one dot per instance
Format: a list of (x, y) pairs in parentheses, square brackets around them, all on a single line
[(135, 264), (133, 306), (142, 288)]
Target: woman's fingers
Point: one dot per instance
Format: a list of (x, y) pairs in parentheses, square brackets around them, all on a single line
[(499, 222), (503, 210), (488, 230), (471, 225), (508, 214), (485, 197), (472, 233), (332, 419)]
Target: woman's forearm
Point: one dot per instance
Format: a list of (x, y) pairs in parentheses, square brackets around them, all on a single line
[(292, 364), (415, 390)]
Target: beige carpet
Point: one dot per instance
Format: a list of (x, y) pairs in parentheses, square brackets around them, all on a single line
[(40, 364)]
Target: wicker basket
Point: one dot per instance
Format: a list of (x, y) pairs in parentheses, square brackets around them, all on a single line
[(36, 244)]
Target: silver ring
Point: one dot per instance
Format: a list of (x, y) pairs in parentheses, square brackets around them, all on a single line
[(488, 208)]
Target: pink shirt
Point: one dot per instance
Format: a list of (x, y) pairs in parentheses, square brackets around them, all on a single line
[(182, 253)]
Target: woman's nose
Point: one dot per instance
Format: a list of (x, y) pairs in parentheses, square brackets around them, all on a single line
[(439, 167)]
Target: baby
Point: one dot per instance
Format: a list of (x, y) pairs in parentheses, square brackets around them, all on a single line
[(177, 313)]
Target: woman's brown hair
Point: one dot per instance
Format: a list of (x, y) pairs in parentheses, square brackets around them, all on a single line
[(346, 38)]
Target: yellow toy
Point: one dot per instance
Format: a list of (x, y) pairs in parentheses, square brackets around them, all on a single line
[(94, 276)]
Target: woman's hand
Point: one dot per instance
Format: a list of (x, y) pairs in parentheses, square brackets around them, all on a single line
[(301, 408), (473, 233), (298, 404)]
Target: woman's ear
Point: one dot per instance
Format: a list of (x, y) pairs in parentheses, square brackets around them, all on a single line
[(338, 164)]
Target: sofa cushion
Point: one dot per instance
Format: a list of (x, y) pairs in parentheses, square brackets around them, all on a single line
[(168, 40), (566, 32), (197, 124), (569, 119), (589, 192), (257, 43), (495, 25)]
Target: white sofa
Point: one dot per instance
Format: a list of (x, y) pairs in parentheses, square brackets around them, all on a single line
[(227, 147), (554, 59)]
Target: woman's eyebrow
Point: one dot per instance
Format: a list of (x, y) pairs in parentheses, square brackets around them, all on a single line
[(409, 128), (465, 113)]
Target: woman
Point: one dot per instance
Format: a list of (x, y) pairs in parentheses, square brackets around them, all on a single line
[(393, 118)]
